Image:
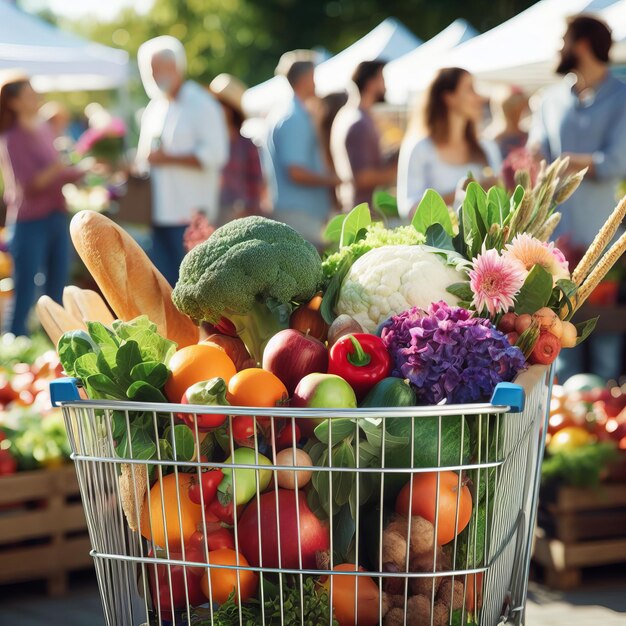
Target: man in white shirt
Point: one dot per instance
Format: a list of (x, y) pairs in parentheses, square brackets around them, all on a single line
[(183, 143)]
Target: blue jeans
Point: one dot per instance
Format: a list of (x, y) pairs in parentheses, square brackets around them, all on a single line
[(37, 246), (168, 250)]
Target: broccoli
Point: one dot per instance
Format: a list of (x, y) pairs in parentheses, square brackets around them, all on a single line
[(249, 271), (376, 236)]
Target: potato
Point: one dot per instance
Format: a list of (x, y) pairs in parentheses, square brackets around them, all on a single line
[(287, 479)]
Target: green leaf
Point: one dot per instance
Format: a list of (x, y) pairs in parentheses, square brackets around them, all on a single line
[(105, 387), (535, 292), (343, 482), (437, 237), (183, 442), (476, 196), (584, 329), (126, 330), (516, 198), (141, 441), (151, 372), (339, 430), (141, 391), (498, 205), (358, 219), (128, 355), (432, 210), (344, 528), (462, 291), (331, 295), (73, 345), (332, 234), (369, 454), (86, 365), (374, 436), (102, 335), (152, 346), (106, 361), (118, 424), (385, 203)]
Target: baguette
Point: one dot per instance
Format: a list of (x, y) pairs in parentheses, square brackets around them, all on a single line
[(129, 281), (55, 319), (86, 305)]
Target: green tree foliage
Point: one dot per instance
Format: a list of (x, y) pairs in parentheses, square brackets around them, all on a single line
[(246, 37)]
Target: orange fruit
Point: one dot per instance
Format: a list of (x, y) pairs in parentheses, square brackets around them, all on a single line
[(194, 364), (424, 499), (164, 496), (226, 581), (256, 387), (346, 595)]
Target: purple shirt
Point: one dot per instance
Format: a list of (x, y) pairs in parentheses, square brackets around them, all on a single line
[(242, 178), (355, 146), (24, 154)]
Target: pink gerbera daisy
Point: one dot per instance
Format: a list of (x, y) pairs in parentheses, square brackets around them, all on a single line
[(495, 280), (529, 251)]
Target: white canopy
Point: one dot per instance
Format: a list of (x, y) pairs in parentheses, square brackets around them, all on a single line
[(57, 61), (524, 49), (615, 15), (388, 41), (403, 76)]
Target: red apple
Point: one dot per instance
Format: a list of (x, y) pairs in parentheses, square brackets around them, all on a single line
[(291, 355), (313, 535)]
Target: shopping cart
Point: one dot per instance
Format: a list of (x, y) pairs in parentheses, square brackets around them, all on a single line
[(485, 567)]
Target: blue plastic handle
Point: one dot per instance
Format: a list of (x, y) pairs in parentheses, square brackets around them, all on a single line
[(64, 390), (509, 394)]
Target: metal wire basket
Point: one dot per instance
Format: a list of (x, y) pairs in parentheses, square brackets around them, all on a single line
[(477, 578)]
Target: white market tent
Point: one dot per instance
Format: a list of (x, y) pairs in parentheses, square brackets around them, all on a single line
[(524, 49), (403, 76), (615, 15), (388, 41), (56, 61)]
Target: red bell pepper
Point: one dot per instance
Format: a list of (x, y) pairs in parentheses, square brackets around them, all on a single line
[(360, 359)]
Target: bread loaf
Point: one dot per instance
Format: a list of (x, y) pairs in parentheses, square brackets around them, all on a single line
[(86, 305), (55, 319), (129, 281)]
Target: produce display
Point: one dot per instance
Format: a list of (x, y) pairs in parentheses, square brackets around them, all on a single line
[(32, 433), (435, 313), (586, 439)]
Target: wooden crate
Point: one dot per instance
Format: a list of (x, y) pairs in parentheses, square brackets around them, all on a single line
[(43, 532), (579, 528)]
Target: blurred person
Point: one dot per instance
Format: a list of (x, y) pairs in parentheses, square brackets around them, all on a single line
[(301, 182), (450, 148), (33, 176), (183, 143), (585, 119), (242, 185), (508, 106), (57, 116), (329, 106), (355, 140)]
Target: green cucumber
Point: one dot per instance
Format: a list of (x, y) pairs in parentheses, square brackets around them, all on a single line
[(390, 392)]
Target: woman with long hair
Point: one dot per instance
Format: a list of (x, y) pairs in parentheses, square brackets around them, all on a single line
[(33, 177), (449, 148)]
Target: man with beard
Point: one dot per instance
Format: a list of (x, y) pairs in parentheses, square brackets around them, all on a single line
[(183, 143), (355, 140), (585, 119)]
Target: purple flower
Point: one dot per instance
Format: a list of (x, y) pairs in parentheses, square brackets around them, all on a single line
[(447, 354)]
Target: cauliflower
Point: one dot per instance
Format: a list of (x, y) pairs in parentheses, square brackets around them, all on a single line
[(389, 280)]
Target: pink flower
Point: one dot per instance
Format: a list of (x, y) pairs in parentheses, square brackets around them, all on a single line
[(495, 280), (529, 251)]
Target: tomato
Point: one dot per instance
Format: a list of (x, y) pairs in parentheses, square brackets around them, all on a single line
[(216, 539), (569, 438), (218, 583), (424, 500), (194, 364), (203, 491), (286, 437), (165, 495), (243, 429), (176, 596), (8, 463), (346, 594), (224, 512), (256, 387)]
